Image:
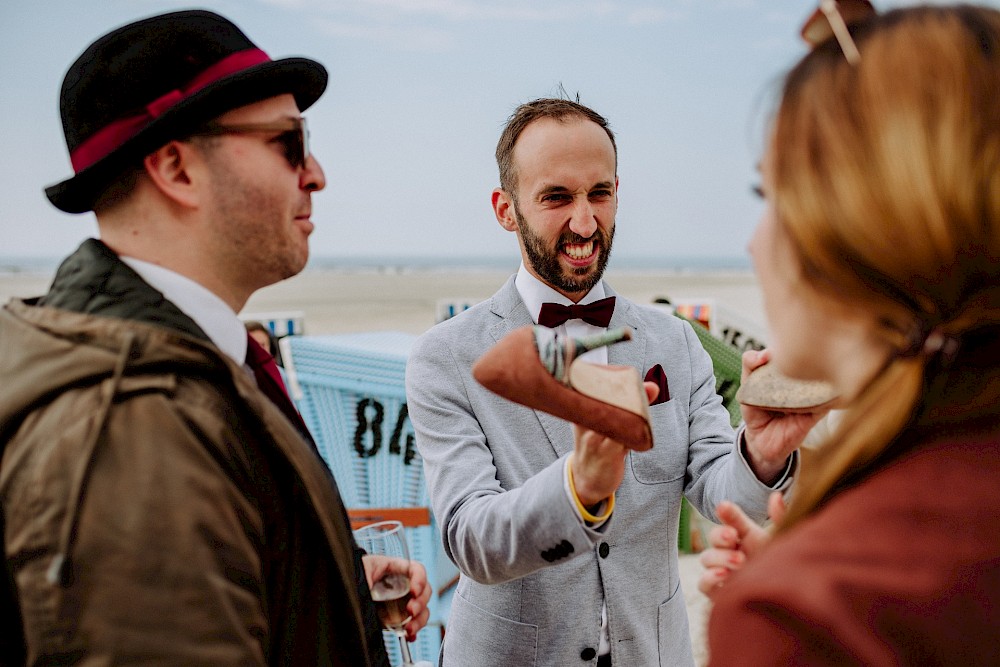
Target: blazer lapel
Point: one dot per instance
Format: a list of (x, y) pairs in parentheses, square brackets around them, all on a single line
[(631, 352), (559, 432)]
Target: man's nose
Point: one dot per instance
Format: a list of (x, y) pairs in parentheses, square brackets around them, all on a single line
[(312, 177), (583, 222)]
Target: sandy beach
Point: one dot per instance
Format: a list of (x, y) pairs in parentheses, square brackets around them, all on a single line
[(406, 300)]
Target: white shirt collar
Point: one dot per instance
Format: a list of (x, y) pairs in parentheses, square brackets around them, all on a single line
[(208, 311)]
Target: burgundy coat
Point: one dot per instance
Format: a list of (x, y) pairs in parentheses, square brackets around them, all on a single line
[(901, 569)]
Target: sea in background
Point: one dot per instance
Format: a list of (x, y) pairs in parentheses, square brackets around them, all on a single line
[(32, 265), (510, 262), (692, 264)]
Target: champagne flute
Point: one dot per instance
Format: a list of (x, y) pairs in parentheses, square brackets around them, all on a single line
[(391, 592)]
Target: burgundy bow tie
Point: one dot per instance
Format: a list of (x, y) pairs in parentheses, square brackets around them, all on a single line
[(597, 313)]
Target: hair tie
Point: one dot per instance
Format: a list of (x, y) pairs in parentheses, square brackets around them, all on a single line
[(930, 343), (939, 343)]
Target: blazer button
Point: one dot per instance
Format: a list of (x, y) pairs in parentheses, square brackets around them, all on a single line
[(603, 549), (588, 654)]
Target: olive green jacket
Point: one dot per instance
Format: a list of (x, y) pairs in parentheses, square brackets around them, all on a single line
[(158, 507)]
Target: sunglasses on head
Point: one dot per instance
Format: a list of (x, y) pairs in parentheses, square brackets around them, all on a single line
[(832, 19), (293, 135)]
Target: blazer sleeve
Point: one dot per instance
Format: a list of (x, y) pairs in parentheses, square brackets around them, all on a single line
[(716, 468), (493, 530)]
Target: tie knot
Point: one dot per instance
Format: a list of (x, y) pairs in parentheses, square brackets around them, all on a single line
[(597, 313)]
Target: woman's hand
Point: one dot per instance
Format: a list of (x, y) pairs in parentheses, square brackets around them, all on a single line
[(732, 543)]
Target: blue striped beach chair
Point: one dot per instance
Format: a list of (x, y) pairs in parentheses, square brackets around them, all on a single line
[(351, 393)]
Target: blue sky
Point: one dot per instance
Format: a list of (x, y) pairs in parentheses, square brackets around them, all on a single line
[(419, 90)]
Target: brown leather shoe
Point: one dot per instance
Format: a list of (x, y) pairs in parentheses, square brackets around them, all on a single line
[(610, 400)]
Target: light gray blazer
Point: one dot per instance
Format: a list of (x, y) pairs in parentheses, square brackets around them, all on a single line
[(533, 576)]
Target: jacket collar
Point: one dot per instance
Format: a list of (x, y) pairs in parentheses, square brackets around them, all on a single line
[(94, 281)]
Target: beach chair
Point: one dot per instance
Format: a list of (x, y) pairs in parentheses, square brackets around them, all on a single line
[(737, 330), (727, 358), (351, 393), (697, 310), (280, 324), (445, 309)]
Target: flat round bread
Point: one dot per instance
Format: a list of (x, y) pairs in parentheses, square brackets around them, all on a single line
[(767, 388)]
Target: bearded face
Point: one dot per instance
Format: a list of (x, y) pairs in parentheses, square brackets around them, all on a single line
[(545, 257)]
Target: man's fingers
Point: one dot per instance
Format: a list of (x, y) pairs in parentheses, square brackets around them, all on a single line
[(652, 391), (751, 359)]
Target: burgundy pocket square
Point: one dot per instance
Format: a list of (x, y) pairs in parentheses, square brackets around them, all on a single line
[(657, 375)]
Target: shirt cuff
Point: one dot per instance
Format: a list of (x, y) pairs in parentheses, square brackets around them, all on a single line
[(791, 467)]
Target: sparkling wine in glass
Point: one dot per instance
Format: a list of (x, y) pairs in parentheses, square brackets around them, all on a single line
[(391, 591)]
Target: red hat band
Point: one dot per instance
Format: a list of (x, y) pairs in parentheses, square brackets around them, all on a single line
[(109, 138)]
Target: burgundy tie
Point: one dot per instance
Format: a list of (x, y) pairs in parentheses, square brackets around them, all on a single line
[(597, 313), (265, 371)]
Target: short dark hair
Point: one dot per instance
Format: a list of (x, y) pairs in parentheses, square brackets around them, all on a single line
[(119, 189), (524, 115)]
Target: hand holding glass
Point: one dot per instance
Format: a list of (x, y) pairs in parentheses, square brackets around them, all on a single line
[(390, 586)]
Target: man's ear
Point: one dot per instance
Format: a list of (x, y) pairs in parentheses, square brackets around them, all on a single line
[(503, 208), (170, 170)]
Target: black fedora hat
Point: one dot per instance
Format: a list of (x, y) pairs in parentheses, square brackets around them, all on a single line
[(159, 79)]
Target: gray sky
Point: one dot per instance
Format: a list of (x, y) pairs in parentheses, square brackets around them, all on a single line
[(419, 90)]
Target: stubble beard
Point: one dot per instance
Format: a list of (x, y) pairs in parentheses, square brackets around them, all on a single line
[(252, 222), (545, 261)]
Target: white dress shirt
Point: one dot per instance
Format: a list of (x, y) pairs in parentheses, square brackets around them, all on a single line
[(208, 311)]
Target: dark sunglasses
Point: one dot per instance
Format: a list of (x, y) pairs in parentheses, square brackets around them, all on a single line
[(832, 19), (293, 135)]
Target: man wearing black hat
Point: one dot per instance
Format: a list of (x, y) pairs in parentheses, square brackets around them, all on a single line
[(162, 500)]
